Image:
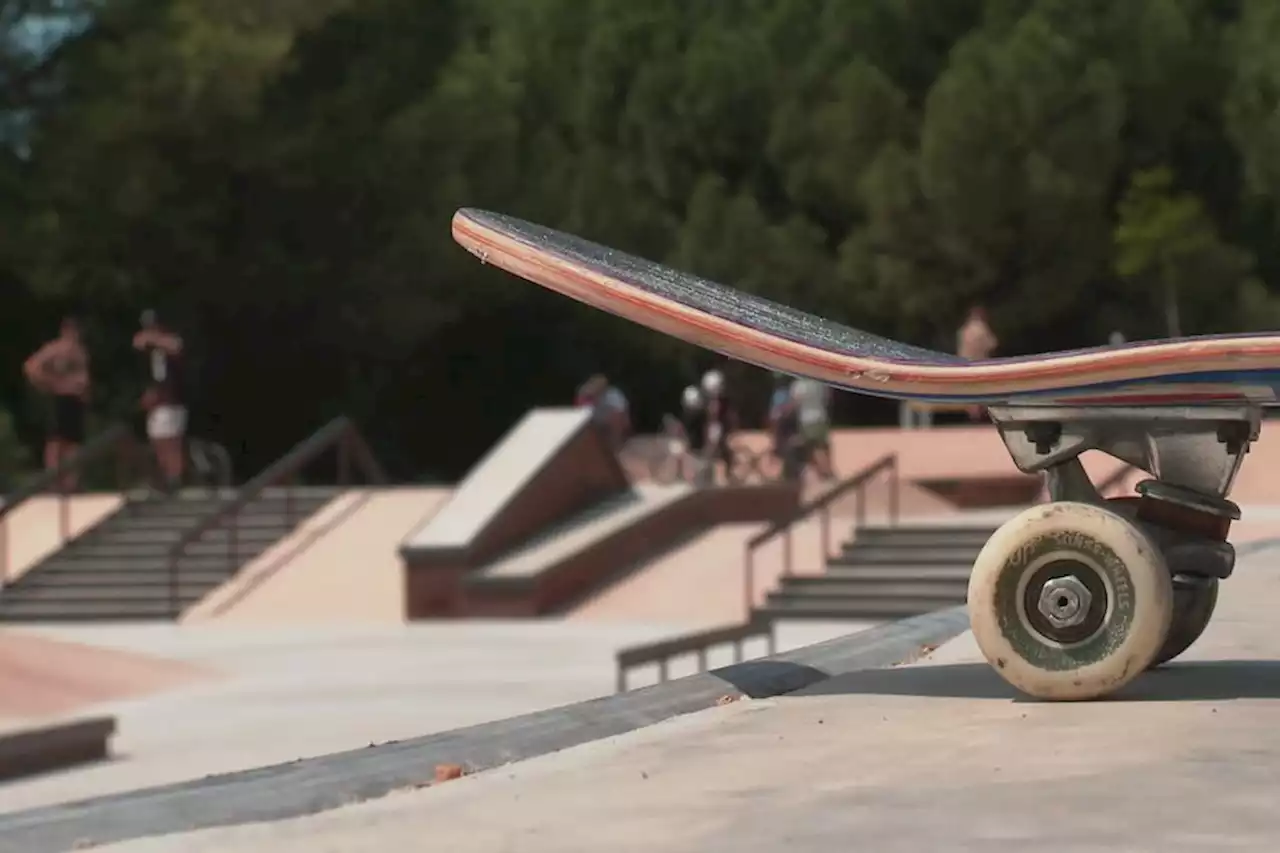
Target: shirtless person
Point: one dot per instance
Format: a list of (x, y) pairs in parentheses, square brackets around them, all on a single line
[(60, 369), (976, 341)]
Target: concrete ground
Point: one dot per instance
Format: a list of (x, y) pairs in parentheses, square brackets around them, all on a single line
[(286, 693), (939, 755)]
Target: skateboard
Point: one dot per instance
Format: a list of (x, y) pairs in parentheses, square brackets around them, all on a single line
[(1071, 599)]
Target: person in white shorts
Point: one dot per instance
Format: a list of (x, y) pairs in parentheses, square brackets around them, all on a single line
[(163, 401)]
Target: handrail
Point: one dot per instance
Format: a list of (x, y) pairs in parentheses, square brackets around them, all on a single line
[(700, 641), (114, 438), (340, 434), (857, 484)]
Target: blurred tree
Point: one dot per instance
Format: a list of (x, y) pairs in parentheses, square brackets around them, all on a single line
[(1168, 247), (278, 177)]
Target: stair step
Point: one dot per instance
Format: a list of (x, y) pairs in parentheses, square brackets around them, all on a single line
[(827, 588), (115, 536), (976, 544), (887, 608), (196, 548), (82, 611), (75, 595), (93, 579), (940, 535), (159, 564), (122, 568), (897, 555), (181, 524), (876, 572), (181, 514)]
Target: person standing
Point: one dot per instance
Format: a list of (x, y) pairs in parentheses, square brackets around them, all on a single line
[(721, 421), (163, 400), (975, 341), (60, 369), (693, 428), (812, 401), (609, 409), (784, 427)]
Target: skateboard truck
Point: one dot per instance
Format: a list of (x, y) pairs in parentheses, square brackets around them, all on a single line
[(1193, 453), (1070, 595)]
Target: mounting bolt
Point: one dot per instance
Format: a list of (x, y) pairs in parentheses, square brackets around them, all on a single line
[(1065, 601), (1045, 436), (1235, 436)]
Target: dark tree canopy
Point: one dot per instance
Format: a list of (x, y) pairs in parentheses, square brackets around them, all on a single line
[(277, 177)]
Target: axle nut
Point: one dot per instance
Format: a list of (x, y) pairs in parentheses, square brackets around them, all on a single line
[(1065, 601)]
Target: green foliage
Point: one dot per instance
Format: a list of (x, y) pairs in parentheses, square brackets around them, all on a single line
[(278, 177), (1165, 242), (15, 459)]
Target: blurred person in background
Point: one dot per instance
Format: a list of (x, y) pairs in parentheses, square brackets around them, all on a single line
[(722, 420), (812, 400), (975, 341), (688, 435), (60, 370), (784, 428), (163, 399), (609, 409)]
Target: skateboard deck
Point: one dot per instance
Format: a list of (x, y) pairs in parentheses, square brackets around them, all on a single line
[(1206, 370)]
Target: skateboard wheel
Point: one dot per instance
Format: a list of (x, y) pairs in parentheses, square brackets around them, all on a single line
[(1194, 600), (1070, 601)]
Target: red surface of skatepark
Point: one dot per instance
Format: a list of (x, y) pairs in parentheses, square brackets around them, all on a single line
[(44, 677)]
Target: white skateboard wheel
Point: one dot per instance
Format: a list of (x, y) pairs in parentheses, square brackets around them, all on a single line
[(1069, 601)]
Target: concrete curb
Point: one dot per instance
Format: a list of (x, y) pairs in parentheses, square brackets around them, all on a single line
[(54, 746), (317, 784)]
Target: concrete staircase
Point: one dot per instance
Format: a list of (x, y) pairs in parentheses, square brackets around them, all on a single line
[(120, 569), (888, 573)]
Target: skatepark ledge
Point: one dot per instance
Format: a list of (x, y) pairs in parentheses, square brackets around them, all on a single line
[(318, 784), (41, 748)]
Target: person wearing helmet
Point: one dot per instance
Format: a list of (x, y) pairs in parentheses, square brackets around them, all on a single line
[(693, 428), (721, 419)]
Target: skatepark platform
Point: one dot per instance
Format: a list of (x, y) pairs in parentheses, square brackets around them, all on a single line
[(548, 514), (899, 737)]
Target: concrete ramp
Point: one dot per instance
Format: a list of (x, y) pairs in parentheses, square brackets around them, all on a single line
[(33, 529), (340, 566), (497, 479), (603, 547), (551, 466), (582, 531), (698, 584)]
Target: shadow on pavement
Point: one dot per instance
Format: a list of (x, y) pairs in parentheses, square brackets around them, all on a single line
[(1177, 681)]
